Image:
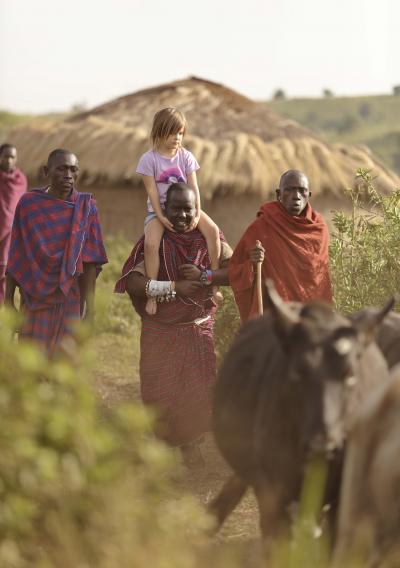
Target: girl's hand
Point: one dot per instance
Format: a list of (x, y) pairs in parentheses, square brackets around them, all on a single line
[(167, 224), (193, 224)]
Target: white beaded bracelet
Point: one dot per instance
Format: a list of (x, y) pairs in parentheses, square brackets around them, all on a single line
[(160, 290)]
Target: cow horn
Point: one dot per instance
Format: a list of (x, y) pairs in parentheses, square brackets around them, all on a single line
[(368, 320), (286, 317), (386, 308)]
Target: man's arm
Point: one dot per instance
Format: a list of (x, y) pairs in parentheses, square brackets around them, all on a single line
[(87, 286), (136, 286), (217, 277), (11, 285)]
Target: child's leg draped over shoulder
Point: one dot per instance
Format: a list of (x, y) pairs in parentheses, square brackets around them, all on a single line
[(153, 233), (210, 232)]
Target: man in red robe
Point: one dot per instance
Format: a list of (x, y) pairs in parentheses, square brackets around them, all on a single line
[(13, 185), (177, 359), (294, 249), (55, 255)]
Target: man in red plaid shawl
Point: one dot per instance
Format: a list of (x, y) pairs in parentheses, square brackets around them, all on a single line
[(56, 253), (177, 364)]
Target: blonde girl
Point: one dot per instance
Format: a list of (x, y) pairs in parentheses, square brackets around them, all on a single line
[(166, 163)]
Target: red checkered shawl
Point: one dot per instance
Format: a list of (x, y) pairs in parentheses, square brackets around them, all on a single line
[(51, 239)]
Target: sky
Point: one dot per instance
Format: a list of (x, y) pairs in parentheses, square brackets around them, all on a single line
[(55, 54)]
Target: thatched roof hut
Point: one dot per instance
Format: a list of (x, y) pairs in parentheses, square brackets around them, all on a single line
[(241, 145)]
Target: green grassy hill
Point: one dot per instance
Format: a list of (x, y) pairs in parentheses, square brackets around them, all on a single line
[(370, 120), (9, 120)]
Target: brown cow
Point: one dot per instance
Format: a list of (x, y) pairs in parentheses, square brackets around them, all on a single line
[(286, 390), (369, 513)]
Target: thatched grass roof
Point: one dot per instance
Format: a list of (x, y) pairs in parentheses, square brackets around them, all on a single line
[(241, 145)]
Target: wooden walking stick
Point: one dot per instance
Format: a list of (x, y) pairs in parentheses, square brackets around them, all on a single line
[(259, 294)]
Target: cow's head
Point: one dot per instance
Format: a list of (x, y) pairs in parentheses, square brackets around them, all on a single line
[(329, 357)]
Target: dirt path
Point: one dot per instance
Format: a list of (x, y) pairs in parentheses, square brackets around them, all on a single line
[(115, 384)]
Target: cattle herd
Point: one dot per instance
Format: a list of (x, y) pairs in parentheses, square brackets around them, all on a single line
[(303, 381)]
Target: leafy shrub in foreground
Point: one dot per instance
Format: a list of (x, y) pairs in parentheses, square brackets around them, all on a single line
[(365, 245), (77, 489), (227, 323)]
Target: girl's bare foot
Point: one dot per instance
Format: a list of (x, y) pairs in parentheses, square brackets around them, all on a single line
[(151, 306), (217, 296)]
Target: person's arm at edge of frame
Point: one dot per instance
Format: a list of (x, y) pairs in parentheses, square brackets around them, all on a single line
[(11, 285), (87, 286)]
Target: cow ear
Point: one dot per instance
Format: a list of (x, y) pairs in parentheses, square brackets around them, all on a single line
[(284, 315), (368, 321)]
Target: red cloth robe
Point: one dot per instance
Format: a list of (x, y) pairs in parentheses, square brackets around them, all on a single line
[(12, 186), (177, 359), (296, 258)]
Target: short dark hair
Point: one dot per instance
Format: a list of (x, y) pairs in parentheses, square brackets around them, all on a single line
[(290, 174), (7, 146), (178, 186), (55, 153)]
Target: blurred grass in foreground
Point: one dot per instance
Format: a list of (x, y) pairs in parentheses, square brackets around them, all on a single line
[(76, 489)]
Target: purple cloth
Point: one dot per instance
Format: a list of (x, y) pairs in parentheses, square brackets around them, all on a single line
[(51, 240), (166, 170)]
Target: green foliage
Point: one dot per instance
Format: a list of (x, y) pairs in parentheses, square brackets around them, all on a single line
[(77, 489), (309, 545), (327, 93), (227, 323), (364, 247), (114, 312), (279, 95)]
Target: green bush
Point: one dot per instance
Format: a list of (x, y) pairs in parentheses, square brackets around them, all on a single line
[(114, 312), (77, 489), (227, 323), (365, 246)]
